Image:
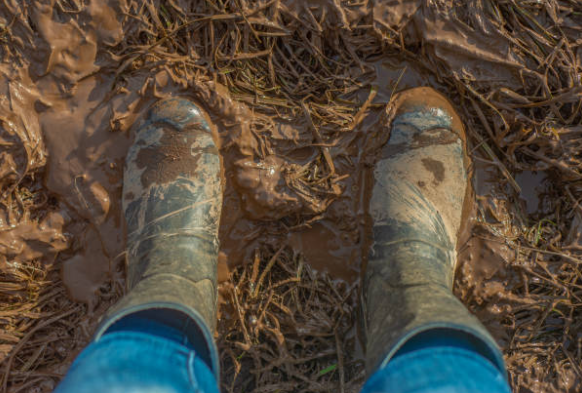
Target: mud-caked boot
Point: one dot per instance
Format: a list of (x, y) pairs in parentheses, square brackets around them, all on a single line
[(418, 198), (172, 199)]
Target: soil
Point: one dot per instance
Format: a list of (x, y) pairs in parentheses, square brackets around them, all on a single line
[(297, 91)]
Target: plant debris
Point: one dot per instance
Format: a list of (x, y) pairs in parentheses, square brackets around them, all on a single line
[(303, 84)]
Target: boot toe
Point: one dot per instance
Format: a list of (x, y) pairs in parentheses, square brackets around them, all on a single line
[(178, 112), (174, 147), (429, 108)]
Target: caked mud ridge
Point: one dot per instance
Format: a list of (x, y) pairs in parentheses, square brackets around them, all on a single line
[(297, 90)]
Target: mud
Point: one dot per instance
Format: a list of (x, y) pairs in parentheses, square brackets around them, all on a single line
[(295, 90), (532, 186)]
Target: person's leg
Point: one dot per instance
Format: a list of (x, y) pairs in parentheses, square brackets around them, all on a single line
[(139, 355), (438, 361), (420, 338), (159, 336)]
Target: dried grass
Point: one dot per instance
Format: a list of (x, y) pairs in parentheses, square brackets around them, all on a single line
[(287, 328), (309, 63)]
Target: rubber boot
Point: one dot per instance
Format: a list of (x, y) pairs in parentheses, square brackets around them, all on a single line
[(172, 198), (417, 202)]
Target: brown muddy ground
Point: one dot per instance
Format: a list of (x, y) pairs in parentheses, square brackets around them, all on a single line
[(295, 88)]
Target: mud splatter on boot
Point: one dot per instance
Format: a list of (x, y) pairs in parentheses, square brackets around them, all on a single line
[(416, 207), (172, 196)]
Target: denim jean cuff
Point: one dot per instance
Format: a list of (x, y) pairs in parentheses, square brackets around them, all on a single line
[(176, 317)]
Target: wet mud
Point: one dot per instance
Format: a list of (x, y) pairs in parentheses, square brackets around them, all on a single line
[(297, 92)]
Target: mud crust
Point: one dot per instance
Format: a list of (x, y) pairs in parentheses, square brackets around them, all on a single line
[(296, 89)]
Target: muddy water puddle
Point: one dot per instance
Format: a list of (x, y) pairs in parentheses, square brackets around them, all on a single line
[(84, 115), (87, 133), (296, 101), (87, 136)]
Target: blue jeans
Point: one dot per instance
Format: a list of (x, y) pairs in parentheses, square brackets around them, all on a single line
[(143, 356), (443, 362), (140, 355)]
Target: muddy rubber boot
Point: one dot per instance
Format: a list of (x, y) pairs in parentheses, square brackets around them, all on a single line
[(421, 183), (172, 199)]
